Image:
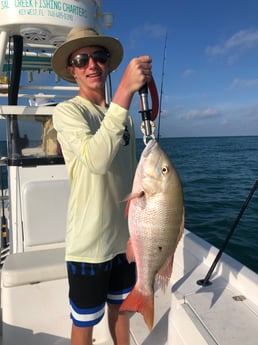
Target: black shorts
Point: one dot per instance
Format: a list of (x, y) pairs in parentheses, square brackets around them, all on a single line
[(92, 285)]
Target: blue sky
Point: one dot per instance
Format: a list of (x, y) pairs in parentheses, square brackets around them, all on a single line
[(210, 85)]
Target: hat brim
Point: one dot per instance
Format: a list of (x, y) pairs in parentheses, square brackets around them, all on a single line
[(61, 55)]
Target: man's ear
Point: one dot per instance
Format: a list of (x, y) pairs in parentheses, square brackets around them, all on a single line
[(70, 70)]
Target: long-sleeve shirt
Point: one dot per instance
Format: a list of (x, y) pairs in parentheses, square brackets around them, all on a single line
[(101, 170)]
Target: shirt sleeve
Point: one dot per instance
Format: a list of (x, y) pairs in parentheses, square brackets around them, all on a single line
[(79, 136)]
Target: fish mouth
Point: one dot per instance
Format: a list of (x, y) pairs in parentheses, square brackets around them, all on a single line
[(149, 147)]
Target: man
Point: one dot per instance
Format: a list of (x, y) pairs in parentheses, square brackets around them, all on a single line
[(98, 145)]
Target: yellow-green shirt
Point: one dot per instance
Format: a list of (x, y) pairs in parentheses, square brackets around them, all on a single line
[(101, 170)]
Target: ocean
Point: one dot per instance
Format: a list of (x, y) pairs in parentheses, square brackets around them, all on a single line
[(217, 174)]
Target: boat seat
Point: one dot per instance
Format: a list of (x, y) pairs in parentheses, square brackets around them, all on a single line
[(34, 300), (44, 208), (33, 267)]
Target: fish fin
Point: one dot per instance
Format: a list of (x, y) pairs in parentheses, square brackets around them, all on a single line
[(133, 196), (130, 252), (164, 274), (127, 208), (144, 304), (129, 198)]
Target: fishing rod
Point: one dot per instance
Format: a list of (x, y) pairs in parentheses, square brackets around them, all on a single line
[(206, 280), (148, 114)]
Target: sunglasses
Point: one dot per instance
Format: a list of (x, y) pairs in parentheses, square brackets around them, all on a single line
[(82, 60)]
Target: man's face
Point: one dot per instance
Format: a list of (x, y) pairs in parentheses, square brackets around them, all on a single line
[(90, 67)]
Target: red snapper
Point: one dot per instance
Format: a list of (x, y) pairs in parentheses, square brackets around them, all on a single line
[(156, 223)]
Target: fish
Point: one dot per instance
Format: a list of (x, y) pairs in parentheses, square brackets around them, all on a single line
[(155, 210)]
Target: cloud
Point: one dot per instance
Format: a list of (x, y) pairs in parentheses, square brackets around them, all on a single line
[(249, 112), (155, 31), (236, 45), (188, 72), (224, 119), (205, 113), (243, 84)]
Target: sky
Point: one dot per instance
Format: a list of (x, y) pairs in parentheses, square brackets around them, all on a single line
[(204, 58), (210, 57)]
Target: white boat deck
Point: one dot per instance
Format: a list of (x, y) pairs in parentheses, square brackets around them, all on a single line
[(224, 313)]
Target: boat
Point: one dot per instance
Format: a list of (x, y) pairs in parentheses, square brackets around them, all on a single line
[(197, 308)]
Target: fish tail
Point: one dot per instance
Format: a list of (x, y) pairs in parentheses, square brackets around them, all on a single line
[(144, 304)]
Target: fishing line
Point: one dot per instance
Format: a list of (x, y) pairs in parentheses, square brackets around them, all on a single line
[(161, 84)]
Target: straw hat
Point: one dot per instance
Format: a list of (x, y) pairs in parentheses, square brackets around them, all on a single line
[(80, 37)]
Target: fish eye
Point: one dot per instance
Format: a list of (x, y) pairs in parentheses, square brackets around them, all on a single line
[(164, 169)]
